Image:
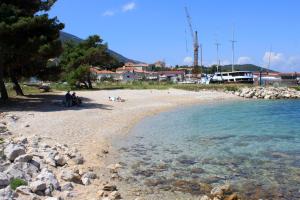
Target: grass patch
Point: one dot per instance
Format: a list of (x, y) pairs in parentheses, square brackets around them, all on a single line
[(134, 85), (26, 90), (296, 88), (1, 140), (17, 183), (222, 87)]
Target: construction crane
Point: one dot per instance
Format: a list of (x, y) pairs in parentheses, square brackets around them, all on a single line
[(194, 37)]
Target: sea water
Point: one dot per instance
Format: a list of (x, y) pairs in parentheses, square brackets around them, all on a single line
[(253, 145)]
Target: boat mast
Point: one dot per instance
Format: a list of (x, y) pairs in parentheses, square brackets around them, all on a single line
[(218, 57), (269, 63), (232, 46)]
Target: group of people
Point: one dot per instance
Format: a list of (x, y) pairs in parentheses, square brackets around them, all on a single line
[(72, 99)]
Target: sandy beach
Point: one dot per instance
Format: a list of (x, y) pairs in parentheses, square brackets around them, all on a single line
[(91, 128)]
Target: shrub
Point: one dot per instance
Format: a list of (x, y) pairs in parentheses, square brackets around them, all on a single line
[(232, 88), (17, 183)]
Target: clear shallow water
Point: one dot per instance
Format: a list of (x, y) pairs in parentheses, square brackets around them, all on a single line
[(255, 145)]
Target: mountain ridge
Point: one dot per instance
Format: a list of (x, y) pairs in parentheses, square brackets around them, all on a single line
[(64, 36)]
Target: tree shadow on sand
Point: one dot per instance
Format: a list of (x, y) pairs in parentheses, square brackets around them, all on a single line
[(47, 103)]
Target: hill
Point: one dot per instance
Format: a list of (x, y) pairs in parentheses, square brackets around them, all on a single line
[(246, 67), (67, 36)]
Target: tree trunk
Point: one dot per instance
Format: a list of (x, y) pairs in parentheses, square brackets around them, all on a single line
[(4, 95), (17, 86)]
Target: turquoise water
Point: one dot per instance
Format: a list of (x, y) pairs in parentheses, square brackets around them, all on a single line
[(255, 145)]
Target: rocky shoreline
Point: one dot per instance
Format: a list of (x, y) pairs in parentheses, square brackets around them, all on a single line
[(268, 93), (31, 168)]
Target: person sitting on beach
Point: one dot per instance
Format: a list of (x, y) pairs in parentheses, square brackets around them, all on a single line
[(68, 99), (76, 101)]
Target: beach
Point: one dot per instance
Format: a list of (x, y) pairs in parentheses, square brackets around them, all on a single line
[(92, 127)]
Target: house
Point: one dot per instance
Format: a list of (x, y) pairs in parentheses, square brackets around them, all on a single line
[(174, 76), (160, 64), (130, 74), (137, 66), (102, 74)]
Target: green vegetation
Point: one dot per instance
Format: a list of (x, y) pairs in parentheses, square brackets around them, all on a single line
[(17, 183), (223, 87), (28, 38), (25, 88), (135, 85), (1, 140), (78, 57), (296, 88)]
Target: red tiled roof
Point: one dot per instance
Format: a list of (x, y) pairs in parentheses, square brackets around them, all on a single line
[(96, 71), (171, 72)]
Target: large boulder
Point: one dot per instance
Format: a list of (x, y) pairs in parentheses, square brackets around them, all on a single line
[(12, 151), (22, 171)]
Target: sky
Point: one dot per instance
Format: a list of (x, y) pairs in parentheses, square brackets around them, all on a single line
[(152, 30)]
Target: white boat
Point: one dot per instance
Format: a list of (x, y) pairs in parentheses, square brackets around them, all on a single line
[(233, 77)]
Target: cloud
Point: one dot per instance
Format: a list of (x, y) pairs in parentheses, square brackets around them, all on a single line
[(275, 58), (108, 13), (188, 60), (281, 62), (244, 60), (128, 7)]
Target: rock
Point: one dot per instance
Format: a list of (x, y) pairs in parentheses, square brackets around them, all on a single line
[(113, 168), (217, 192), (12, 151), (67, 187), (53, 198), (50, 161), (226, 187), (38, 186), (24, 190), (49, 178), (4, 180), (22, 140), (205, 198), (7, 194), (60, 160), (86, 181), (233, 196), (24, 158), (100, 193), (114, 195), (70, 176), (78, 159), (36, 162), (22, 170), (104, 151), (109, 187), (90, 175)]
